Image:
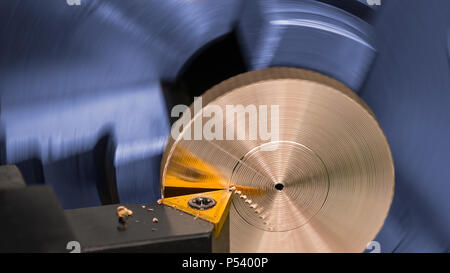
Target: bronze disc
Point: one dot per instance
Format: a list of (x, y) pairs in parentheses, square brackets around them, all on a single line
[(324, 185)]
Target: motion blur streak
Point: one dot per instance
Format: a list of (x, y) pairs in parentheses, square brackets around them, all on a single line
[(307, 34), (81, 84), (81, 102), (409, 91)]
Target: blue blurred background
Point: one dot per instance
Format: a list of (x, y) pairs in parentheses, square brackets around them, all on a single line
[(84, 90)]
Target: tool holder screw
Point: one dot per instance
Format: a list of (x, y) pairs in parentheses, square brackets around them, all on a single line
[(202, 203)]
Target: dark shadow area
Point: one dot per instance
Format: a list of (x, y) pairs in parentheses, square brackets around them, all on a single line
[(217, 61), (177, 191), (2, 140), (104, 161), (32, 171)]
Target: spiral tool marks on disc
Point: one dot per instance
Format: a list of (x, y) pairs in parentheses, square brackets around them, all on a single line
[(327, 184)]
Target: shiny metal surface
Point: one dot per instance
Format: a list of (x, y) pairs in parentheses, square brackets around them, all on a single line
[(332, 160)]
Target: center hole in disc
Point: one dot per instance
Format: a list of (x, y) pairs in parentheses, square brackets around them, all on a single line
[(279, 186)]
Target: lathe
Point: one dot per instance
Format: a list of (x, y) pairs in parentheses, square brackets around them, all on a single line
[(224, 126)]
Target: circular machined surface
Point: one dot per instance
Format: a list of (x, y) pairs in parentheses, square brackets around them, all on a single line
[(323, 183), (281, 188)]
